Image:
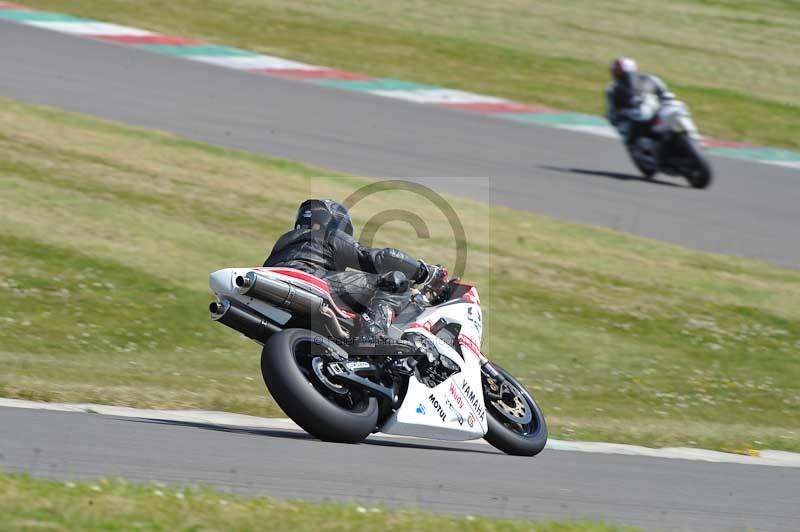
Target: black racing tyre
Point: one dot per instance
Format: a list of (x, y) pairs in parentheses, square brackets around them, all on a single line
[(287, 365), (699, 176), (527, 439), (646, 171)]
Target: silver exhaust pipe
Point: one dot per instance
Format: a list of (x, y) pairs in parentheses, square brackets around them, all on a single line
[(279, 292), (242, 320), (290, 297)]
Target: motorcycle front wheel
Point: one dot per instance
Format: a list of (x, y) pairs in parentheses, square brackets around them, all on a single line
[(699, 173), (516, 423), (293, 365)]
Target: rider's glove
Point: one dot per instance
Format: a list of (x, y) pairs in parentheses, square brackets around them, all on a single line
[(422, 273), (435, 280)]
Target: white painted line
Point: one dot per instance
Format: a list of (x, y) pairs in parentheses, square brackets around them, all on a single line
[(765, 458), (787, 164), (250, 62), (438, 96), (601, 131), (187, 416), (89, 28)]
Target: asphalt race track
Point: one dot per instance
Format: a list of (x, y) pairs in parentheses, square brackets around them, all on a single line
[(752, 210), (462, 479)]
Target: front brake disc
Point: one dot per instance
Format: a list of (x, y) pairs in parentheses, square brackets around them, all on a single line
[(513, 405)]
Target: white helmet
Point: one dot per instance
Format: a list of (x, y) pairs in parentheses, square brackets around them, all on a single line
[(623, 65)]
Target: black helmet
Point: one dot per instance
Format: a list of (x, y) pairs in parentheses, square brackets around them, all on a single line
[(623, 67), (324, 214)]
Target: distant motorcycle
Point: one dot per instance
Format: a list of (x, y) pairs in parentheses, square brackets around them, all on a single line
[(429, 380), (672, 145)]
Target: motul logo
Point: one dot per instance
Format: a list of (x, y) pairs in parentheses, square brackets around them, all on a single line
[(437, 406)]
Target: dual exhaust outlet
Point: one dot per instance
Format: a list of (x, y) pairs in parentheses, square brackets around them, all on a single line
[(276, 292)]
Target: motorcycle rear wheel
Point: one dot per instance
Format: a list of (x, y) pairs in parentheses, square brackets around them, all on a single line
[(292, 376), (521, 439)]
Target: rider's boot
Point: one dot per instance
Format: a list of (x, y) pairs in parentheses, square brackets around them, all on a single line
[(375, 326)]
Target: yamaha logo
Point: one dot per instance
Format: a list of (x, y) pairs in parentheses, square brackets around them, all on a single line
[(473, 399)]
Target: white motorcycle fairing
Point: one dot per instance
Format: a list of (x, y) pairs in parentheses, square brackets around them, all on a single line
[(453, 410), (673, 116)]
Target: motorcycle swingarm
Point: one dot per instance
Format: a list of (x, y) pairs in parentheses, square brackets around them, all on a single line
[(341, 371)]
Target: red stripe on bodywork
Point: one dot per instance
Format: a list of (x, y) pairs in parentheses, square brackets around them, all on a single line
[(299, 73), (15, 7), (302, 276), (471, 346), (145, 39), (498, 107), (417, 325)]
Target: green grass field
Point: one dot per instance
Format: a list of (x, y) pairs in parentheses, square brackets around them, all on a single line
[(734, 61), (30, 504), (108, 233)]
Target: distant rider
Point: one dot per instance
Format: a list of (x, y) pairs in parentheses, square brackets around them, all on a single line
[(625, 97), (322, 244)]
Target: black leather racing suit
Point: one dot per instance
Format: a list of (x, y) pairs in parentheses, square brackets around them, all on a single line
[(380, 287), (626, 95)]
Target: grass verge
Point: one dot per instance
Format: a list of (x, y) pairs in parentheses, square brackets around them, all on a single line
[(734, 62), (108, 233), (31, 504)]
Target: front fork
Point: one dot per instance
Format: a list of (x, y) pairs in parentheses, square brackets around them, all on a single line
[(493, 378)]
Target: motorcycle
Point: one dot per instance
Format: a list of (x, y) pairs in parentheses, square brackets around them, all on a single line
[(672, 145), (428, 379)]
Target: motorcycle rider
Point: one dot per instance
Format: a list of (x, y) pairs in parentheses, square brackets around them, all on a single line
[(626, 95), (322, 244)]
